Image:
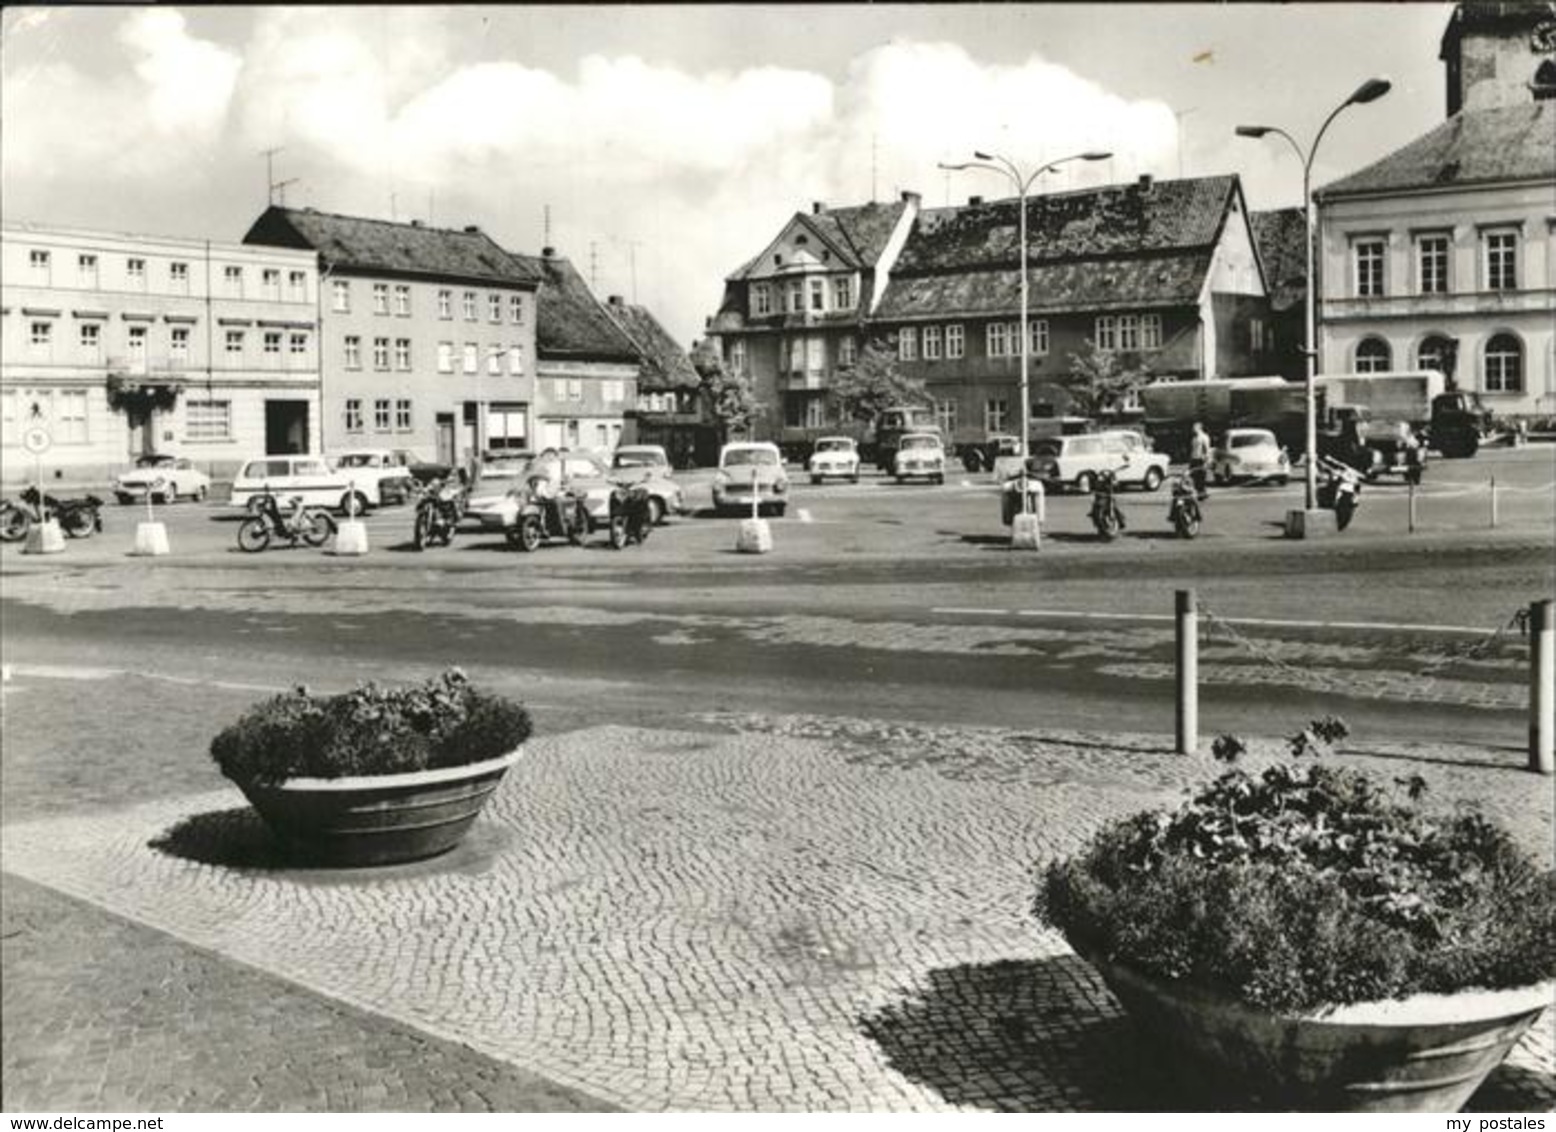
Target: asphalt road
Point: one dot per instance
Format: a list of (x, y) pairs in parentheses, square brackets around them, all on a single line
[(878, 600)]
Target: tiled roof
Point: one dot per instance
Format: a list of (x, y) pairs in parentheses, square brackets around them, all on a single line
[(1510, 143), (858, 232), (570, 323), (1135, 246), (665, 364), (355, 242), (1279, 237)]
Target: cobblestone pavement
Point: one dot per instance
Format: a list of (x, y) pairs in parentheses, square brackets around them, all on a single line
[(769, 913)]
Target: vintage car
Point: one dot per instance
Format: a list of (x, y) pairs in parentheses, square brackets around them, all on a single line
[(633, 457), (493, 503), (920, 455), (1074, 461), (1249, 454), (310, 477), (834, 456), (164, 477), (382, 474), (750, 472)]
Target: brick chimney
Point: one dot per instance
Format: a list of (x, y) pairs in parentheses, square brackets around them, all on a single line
[(974, 202), (817, 207), (615, 301), (909, 197), (1144, 182), (472, 229), (548, 253)]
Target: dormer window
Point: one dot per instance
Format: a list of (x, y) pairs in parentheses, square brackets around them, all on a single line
[(802, 240), (777, 261)]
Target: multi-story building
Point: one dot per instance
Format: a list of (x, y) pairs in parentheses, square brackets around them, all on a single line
[(1164, 275), (587, 368), (672, 409), (429, 333), (123, 345), (1442, 255), (1280, 236)]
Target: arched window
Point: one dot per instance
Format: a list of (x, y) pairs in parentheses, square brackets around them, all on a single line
[(1436, 352), (1545, 81), (1373, 355), (1504, 364)]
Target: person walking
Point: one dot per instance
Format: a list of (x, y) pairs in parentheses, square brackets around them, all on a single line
[(1199, 460)]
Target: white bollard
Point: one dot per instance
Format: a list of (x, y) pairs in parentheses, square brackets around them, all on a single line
[(1026, 531), (351, 537), (755, 537), (45, 538), (803, 515), (150, 539)]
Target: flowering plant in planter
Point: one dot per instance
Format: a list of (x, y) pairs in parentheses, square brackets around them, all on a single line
[(376, 775), (1306, 888)]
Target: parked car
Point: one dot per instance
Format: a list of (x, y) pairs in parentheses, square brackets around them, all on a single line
[(583, 472), (1249, 454), (649, 465), (286, 476), (750, 469), (980, 456), (834, 456), (1073, 461), (630, 457), (164, 477), (920, 455), (491, 505), (378, 472)]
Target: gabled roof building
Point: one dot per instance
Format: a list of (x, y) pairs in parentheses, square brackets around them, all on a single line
[(672, 410)]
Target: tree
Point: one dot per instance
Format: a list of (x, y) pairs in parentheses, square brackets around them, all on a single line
[(875, 383), (731, 395), (1099, 380)]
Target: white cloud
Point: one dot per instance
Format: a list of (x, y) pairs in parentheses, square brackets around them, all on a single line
[(188, 81)]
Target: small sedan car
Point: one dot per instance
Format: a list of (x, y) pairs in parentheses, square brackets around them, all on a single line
[(635, 457), (164, 478), (920, 455), (491, 506), (834, 456), (750, 470), (1249, 454)]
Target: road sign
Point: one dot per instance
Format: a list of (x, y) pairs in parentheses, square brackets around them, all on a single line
[(36, 440), (38, 412)]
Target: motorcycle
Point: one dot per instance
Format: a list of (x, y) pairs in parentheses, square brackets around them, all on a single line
[(15, 521), (78, 517), (1183, 512), (1339, 490), (631, 515), (310, 525), (1106, 515), (438, 512), (547, 510)]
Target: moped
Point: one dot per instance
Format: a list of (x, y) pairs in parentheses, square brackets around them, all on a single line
[(1183, 512), (79, 517), (1106, 515), (631, 515), (15, 521), (310, 525), (547, 509), (1339, 490), (438, 511)]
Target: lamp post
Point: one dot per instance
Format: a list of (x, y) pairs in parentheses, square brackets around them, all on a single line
[(1022, 182), (1369, 91)]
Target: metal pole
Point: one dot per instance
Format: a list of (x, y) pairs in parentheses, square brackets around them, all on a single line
[(1542, 687), (1026, 344), (1412, 498), (1188, 673), (1311, 393)]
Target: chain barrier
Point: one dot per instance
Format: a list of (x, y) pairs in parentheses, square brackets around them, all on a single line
[(1468, 652)]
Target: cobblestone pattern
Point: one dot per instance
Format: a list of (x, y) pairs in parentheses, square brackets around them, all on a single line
[(102, 1015), (795, 914)]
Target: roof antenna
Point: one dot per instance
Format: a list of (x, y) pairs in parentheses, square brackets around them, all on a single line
[(594, 266), (546, 240), (270, 175), (872, 168)]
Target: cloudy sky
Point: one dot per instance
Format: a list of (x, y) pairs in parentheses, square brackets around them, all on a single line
[(670, 143)]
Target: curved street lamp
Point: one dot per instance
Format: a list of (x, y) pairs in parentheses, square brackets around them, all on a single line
[(1370, 91), (1023, 182)]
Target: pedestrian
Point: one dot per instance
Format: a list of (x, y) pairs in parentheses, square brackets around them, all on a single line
[(1199, 460)]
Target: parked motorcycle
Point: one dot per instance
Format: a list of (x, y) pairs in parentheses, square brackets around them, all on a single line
[(15, 521), (1339, 490), (547, 510), (1106, 515), (310, 525), (631, 515), (438, 511), (1183, 512), (79, 516)]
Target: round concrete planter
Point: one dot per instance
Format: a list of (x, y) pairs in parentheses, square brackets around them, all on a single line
[(1426, 1053), (380, 819)]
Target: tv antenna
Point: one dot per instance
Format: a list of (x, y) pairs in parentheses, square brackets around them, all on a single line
[(272, 186)]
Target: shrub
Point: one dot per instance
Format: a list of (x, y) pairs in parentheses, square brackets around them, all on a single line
[(1308, 885), (441, 722)]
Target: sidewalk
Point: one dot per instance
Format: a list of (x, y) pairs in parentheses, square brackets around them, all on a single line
[(733, 912)]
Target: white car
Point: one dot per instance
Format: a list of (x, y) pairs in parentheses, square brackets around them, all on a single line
[(1250, 454), (492, 506), (920, 455), (1074, 461), (382, 474), (164, 478), (834, 456), (310, 477), (750, 471)]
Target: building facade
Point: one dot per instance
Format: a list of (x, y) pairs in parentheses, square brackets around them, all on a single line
[(672, 409), (428, 334), (1164, 275), (1442, 255), (121, 345)]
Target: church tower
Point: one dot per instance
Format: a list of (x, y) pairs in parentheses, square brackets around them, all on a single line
[(1499, 53)]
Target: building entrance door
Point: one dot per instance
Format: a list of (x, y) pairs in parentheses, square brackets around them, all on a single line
[(445, 434), (286, 428)]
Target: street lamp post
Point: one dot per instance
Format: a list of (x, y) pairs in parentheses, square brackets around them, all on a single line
[(1008, 167), (1369, 91)]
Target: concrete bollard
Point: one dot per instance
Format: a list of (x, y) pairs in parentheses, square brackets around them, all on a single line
[(1317, 522), (1493, 502), (755, 537), (803, 515), (150, 539), (351, 537), (45, 538), (1026, 531), (1188, 673), (1412, 511), (1542, 687)]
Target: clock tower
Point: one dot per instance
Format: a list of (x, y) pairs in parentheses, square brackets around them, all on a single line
[(1499, 53)]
